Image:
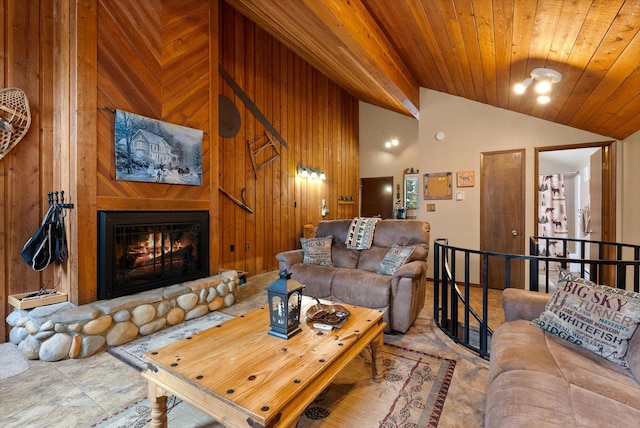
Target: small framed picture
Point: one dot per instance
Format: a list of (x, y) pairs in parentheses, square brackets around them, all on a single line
[(466, 178)]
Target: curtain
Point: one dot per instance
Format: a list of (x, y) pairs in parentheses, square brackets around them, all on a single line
[(552, 215)]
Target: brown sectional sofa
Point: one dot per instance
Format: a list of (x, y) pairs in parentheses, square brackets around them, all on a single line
[(537, 379), (353, 278)]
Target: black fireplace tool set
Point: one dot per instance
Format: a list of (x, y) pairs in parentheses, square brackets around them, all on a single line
[(49, 243)]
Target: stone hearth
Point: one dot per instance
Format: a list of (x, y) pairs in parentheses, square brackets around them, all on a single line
[(64, 330)]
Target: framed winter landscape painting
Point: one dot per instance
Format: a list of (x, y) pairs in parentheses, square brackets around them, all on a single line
[(153, 151)]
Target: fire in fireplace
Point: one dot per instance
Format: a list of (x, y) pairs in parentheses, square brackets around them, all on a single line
[(143, 250)]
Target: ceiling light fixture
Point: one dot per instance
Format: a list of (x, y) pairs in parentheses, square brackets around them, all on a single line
[(545, 77), (391, 143)]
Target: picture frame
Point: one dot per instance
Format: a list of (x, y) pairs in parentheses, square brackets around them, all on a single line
[(153, 151), (438, 186), (466, 178)]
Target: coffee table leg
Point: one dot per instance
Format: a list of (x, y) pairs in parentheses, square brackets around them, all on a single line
[(376, 357), (158, 401)]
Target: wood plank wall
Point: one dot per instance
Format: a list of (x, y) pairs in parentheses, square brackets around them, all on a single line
[(159, 58), (319, 123), (26, 172)]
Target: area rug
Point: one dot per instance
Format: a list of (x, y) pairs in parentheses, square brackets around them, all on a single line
[(132, 352), (12, 362), (412, 394)]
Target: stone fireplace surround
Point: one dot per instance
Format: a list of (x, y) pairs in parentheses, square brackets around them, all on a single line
[(63, 330)]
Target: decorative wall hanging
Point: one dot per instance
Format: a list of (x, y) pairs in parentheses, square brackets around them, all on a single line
[(466, 178), (228, 117), (156, 152), (15, 118), (251, 106), (438, 185)]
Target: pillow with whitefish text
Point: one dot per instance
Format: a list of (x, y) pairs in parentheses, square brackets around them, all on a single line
[(596, 317)]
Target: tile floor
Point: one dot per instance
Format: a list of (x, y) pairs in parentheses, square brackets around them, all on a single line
[(81, 393)]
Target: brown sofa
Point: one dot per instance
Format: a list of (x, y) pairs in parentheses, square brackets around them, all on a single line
[(353, 278), (537, 379)]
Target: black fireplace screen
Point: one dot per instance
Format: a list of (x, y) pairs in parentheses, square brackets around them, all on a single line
[(143, 250)]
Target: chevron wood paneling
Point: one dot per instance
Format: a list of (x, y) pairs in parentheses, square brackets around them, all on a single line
[(153, 60)]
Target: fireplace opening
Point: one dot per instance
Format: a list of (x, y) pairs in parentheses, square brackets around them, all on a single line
[(143, 250)]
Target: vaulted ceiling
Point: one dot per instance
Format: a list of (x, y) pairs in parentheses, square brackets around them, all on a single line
[(383, 51)]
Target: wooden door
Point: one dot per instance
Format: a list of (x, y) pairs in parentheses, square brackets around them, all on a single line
[(377, 197), (502, 213)]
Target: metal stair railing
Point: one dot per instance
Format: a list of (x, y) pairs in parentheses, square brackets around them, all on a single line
[(451, 295)]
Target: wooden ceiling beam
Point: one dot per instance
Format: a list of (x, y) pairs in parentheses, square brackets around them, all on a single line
[(344, 42)]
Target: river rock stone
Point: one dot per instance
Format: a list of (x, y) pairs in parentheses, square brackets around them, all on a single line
[(187, 301), (98, 325), (91, 345), (230, 274), (122, 332), (44, 335), (143, 314), (202, 296), (47, 325), (30, 327), (175, 316), (76, 345), (223, 289), (75, 327), (212, 292), (60, 328), (22, 321), (153, 326), (122, 316), (55, 348), (163, 308), (30, 348), (216, 303), (197, 312), (17, 335), (13, 317), (229, 299)]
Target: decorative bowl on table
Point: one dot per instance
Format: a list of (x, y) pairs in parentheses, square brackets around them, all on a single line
[(333, 315)]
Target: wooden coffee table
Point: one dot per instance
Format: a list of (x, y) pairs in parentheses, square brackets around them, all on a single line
[(242, 376)]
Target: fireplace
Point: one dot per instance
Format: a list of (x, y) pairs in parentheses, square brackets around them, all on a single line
[(143, 250)]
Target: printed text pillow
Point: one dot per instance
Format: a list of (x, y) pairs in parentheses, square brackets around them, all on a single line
[(317, 251), (597, 317), (395, 257)]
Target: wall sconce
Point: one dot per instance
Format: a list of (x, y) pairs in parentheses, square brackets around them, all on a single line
[(311, 173), (545, 77)]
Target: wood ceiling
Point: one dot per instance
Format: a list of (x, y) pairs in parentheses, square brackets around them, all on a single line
[(382, 51)]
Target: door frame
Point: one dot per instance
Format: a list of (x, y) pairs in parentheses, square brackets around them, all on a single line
[(608, 184)]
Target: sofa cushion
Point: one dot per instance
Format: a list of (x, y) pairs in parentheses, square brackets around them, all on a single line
[(521, 346), (361, 288), (316, 279), (395, 257), (370, 259), (596, 317), (343, 257), (317, 251)]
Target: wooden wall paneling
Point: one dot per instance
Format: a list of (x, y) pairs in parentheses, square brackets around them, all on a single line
[(215, 256), (4, 214)]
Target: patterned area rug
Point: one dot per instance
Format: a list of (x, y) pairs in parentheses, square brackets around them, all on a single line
[(132, 352), (411, 395)]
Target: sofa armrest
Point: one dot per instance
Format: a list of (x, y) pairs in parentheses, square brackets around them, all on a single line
[(411, 270), (287, 259), (523, 304)]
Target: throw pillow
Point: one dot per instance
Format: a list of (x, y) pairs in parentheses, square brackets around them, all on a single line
[(395, 257), (317, 251), (597, 317)]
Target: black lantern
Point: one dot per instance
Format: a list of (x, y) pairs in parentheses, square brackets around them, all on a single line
[(285, 302)]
